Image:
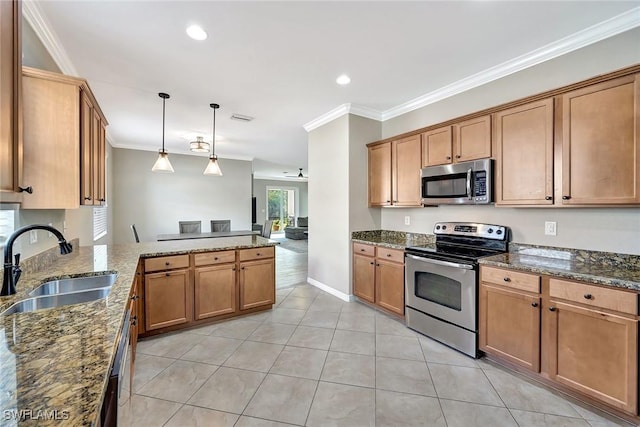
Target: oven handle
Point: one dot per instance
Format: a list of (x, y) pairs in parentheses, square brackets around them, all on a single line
[(469, 195), (438, 262)]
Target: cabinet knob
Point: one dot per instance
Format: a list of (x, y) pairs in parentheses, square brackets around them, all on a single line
[(548, 198), (388, 201), (388, 255), (167, 274), (215, 258), (377, 265), (102, 200), (458, 156), (233, 269), (448, 157), (133, 297), (241, 268), (371, 263), (507, 279), (258, 254), (167, 263), (588, 296), (134, 320), (534, 304), (28, 189), (361, 250), (87, 198), (552, 309), (566, 197)]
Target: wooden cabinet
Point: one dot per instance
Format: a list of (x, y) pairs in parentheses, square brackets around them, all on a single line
[(58, 160), (10, 101), (394, 173), (214, 291), (509, 314), (167, 299), (462, 142), (257, 283), (524, 145), (600, 143), (378, 276), (595, 351)]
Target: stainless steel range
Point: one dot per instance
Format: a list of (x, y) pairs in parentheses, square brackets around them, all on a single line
[(442, 282)]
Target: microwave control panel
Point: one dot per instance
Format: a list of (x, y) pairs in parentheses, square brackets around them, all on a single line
[(480, 186)]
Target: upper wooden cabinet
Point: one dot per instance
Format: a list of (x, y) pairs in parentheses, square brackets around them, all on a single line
[(394, 173), (63, 142), (10, 99), (600, 146), (464, 141), (524, 145)]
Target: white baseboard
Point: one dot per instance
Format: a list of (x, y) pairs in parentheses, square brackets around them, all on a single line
[(329, 289)]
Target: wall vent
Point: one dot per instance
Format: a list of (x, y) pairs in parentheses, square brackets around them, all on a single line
[(241, 118)]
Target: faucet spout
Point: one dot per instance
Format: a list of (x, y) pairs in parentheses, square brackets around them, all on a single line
[(12, 271)]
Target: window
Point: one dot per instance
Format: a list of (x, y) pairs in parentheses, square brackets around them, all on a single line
[(7, 225), (99, 222)]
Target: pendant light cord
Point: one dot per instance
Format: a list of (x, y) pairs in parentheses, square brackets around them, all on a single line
[(213, 143), (163, 103)]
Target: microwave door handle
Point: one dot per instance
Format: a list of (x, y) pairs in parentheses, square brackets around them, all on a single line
[(439, 262), (469, 195)]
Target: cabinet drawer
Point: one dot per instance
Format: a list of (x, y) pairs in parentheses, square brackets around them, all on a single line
[(362, 249), (595, 296), (166, 263), (210, 258), (394, 255), (512, 279), (257, 253)]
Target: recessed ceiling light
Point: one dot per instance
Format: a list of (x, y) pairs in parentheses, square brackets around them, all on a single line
[(196, 32), (343, 80)]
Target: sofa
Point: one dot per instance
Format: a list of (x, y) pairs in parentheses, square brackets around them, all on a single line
[(299, 232)]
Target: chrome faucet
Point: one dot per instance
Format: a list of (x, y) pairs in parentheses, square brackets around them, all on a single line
[(12, 271)]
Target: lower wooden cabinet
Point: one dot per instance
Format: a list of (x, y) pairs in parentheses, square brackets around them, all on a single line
[(378, 276), (167, 299), (214, 291), (257, 283)]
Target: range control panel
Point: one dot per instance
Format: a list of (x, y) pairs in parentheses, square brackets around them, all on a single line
[(471, 229)]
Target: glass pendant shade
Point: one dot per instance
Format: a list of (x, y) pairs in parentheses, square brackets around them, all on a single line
[(163, 164), (213, 168), (199, 145)]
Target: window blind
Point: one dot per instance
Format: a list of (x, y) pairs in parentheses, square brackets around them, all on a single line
[(99, 222)]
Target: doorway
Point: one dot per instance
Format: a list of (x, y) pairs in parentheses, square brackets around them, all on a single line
[(281, 207)]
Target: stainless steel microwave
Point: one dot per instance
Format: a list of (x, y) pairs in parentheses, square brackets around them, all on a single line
[(466, 183)]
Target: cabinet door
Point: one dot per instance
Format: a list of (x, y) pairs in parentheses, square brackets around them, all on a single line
[(95, 156), (101, 169), (524, 144), (140, 300), (215, 291), (167, 301), (600, 143), (257, 283), (473, 139), (380, 175), (509, 326), (595, 353), (86, 150), (406, 171), (10, 99), (364, 276), (390, 286), (436, 147)]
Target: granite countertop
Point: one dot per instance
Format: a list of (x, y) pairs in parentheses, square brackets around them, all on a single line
[(609, 269), (60, 359), (392, 239)]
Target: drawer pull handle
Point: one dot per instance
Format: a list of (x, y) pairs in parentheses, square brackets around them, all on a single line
[(534, 304), (167, 263), (548, 198), (552, 309), (215, 258), (507, 279), (388, 255), (87, 198), (566, 197), (361, 250), (28, 189), (134, 320), (371, 263), (167, 274), (588, 296), (257, 253)]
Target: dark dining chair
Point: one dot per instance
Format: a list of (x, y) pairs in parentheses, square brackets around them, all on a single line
[(135, 233), (220, 225), (266, 230), (190, 226)]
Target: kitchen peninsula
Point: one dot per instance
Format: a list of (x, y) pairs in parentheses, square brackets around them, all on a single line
[(56, 363)]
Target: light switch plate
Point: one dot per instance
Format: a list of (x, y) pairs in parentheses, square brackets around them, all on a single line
[(550, 228), (33, 236), (407, 220)]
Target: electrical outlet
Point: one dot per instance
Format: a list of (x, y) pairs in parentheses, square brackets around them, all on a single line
[(407, 220), (550, 228), (33, 236)]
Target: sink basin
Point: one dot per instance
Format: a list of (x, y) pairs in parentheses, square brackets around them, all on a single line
[(52, 301), (75, 284)]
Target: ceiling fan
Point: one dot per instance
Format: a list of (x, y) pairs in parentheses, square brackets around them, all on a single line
[(300, 175)]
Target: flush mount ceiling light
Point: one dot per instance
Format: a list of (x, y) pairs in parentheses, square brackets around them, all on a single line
[(213, 168), (196, 32), (343, 80), (199, 145), (163, 164)]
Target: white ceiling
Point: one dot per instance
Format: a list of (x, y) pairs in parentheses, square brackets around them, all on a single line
[(278, 61)]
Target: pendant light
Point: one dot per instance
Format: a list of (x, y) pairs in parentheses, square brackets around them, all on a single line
[(163, 164), (213, 168), (199, 145)]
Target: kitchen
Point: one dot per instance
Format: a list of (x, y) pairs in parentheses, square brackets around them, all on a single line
[(610, 229)]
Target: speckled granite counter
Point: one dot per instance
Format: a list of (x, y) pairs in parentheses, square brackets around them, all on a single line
[(603, 268), (59, 360), (392, 239)]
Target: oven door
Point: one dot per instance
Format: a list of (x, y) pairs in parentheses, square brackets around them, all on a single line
[(442, 289)]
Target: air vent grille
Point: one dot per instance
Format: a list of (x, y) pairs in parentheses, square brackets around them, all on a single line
[(241, 117)]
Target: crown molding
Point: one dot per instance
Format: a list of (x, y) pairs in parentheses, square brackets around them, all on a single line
[(38, 21), (598, 32)]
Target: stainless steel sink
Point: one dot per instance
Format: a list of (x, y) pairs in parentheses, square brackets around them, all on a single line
[(75, 284), (52, 301)]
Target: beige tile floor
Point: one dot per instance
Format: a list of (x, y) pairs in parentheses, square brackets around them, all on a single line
[(315, 360)]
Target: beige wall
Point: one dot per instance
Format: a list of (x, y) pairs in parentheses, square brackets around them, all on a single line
[(606, 229), (260, 192), (155, 202)]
